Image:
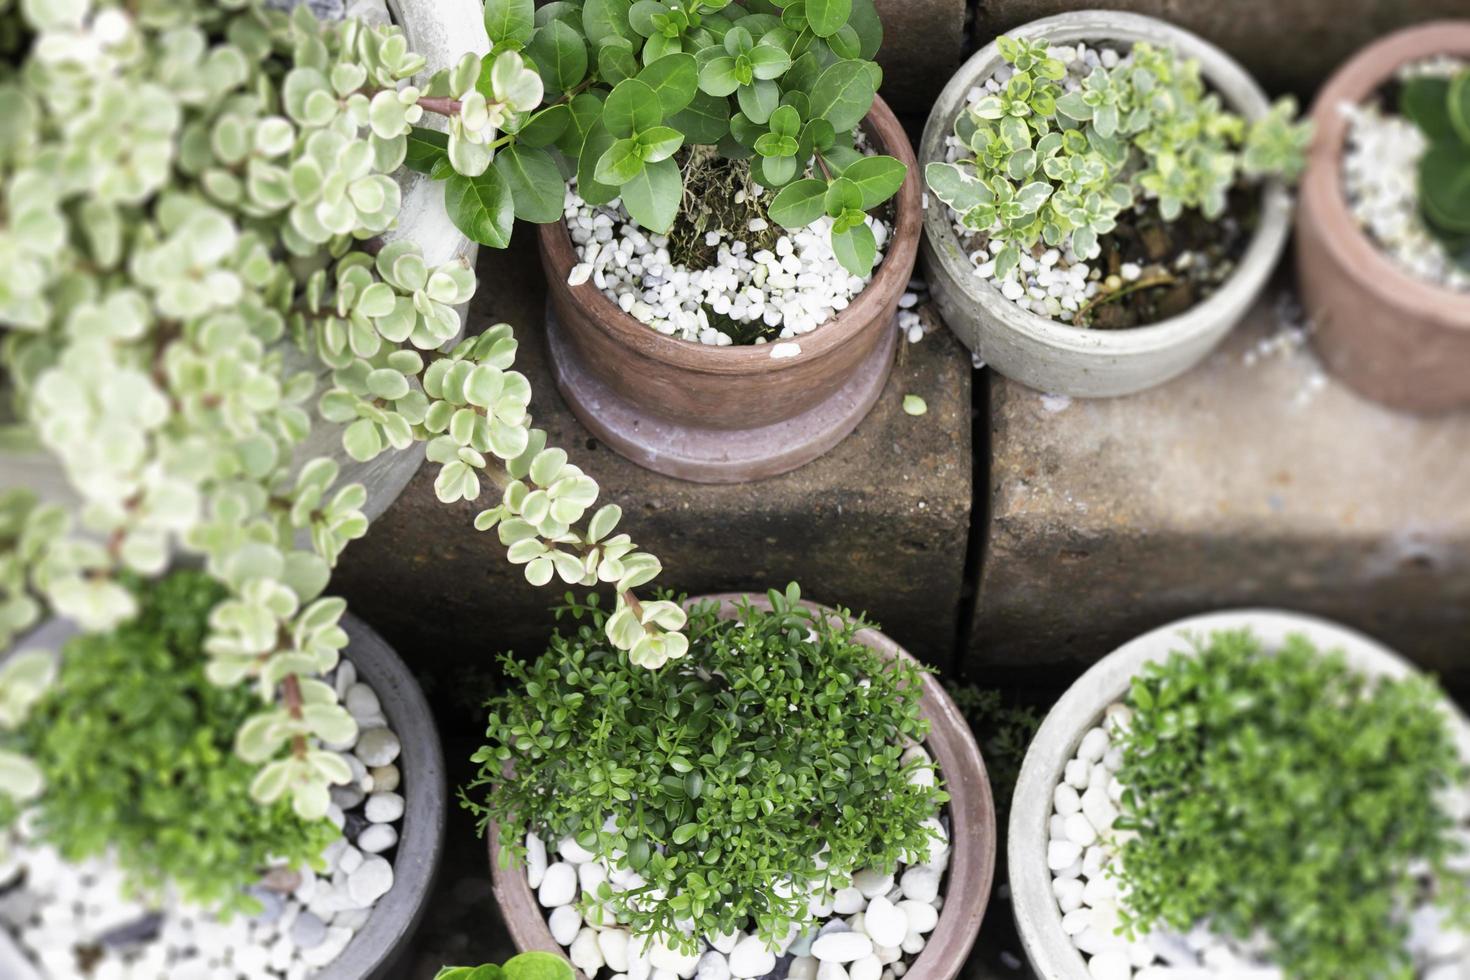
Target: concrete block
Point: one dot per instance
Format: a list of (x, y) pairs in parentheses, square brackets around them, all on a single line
[(1255, 480), (1289, 45), (880, 524), (923, 44)]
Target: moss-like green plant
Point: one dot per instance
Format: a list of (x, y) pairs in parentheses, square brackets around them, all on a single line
[(1053, 166), (767, 765), (630, 85), (1286, 794), (136, 747), (1440, 107)]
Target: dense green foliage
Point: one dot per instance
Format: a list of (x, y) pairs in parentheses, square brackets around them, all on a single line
[(1440, 107), (524, 966), (1287, 794), (631, 84), (1048, 165), (764, 764), (136, 748)]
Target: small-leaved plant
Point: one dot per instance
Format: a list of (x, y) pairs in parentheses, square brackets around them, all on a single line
[(1283, 793), (1440, 107), (136, 749), (532, 965), (767, 766), (197, 259), (1048, 165), (633, 89)]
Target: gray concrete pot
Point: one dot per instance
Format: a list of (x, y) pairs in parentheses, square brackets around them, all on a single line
[(383, 939), (1038, 919), (1056, 357), (442, 31)]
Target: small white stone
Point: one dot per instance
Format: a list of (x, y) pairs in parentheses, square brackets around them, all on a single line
[(1080, 831), (383, 807), (377, 838), (712, 966), (920, 884), (867, 968), (535, 862), (1068, 892), (842, 947), (872, 882), (377, 747), (385, 778), (922, 917), (1110, 964), (1062, 853), (370, 881), (1093, 746), (829, 970), (584, 952), (559, 886), (848, 901), (565, 922), (750, 958), (885, 922), (362, 702), (580, 273), (571, 851), (1066, 800)]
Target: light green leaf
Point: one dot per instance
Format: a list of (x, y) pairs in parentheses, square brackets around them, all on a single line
[(509, 20), (827, 16)]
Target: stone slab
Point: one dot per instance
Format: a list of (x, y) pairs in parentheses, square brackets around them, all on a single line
[(1255, 480), (1289, 45), (923, 44), (881, 523)]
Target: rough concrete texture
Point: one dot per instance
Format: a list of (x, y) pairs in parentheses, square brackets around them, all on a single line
[(880, 523), (1289, 45), (1253, 481), (923, 41)]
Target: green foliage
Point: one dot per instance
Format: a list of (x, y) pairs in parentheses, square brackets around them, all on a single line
[(630, 84), (1285, 793), (1440, 107), (523, 966), (1004, 731), (135, 746), (198, 204), (1058, 167), (736, 781)]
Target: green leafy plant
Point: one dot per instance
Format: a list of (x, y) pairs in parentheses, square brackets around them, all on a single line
[(1440, 107), (1059, 167), (765, 767), (635, 88), (523, 966), (135, 746), (196, 227), (1284, 793), (1004, 731)]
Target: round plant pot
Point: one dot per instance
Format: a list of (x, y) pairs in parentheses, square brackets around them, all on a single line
[(1056, 357), (1391, 336), (730, 414), (383, 939), (442, 31), (1038, 919), (971, 811)]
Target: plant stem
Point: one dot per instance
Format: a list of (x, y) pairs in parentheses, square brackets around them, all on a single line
[(1161, 279)]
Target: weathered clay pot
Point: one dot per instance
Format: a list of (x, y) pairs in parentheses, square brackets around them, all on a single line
[(442, 31), (1038, 919), (384, 938), (966, 887), (1393, 337), (1057, 357), (730, 414)]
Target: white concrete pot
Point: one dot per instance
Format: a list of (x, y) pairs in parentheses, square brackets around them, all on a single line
[(1056, 357), (442, 31), (1038, 919)]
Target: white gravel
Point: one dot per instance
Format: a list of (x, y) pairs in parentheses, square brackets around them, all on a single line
[(1380, 178), (58, 911)]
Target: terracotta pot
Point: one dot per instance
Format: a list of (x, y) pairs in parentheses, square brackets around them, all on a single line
[(1038, 918), (1057, 357), (1393, 337), (972, 829), (374, 952), (728, 414)]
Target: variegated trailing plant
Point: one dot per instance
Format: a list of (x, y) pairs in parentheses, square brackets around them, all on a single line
[(191, 189), (1047, 165)]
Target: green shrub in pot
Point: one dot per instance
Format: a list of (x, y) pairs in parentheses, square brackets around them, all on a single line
[(1440, 107), (522, 966), (196, 198), (1287, 794), (641, 94)]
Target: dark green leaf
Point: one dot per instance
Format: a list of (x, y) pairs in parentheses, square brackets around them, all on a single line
[(546, 126), (535, 184), (758, 100), (705, 120), (843, 94), (606, 18), (826, 16), (798, 204), (869, 28), (426, 147), (674, 79), (598, 142), (509, 20), (856, 249), (616, 61), (653, 196), (877, 178), (481, 207), (584, 111), (621, 163), (631, 106), (560, 55)]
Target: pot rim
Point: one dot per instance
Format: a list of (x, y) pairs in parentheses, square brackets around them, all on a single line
[(891, 276), (1038, 919), (395, 917), (1250, 275), (972, 825), (1322, 189)]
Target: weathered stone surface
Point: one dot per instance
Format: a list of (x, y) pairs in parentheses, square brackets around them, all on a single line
[(1253, 481), (1289, 45), (879, 524), (922, 44)]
